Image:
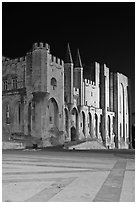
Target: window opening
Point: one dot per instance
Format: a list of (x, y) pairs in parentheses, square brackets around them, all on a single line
[(5, 83), (54, 83), (8, 114), (14, 83)]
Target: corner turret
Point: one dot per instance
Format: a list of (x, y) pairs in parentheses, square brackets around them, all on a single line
[(68, 57), (78, 63), (78, 77), (68, 77)]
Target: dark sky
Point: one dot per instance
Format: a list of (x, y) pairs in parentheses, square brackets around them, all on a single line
[(104, 32)]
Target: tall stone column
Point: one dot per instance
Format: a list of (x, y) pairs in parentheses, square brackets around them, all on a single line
[(22, 117), (69, 132), (94, 125), (130, 113), (26, 118), (68, 137), (86, 126), (78, 127), (125, 99), (112, 133), (91, 125), (98, 127), (111, 128)]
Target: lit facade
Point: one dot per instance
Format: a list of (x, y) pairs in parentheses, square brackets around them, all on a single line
[(47, 98)]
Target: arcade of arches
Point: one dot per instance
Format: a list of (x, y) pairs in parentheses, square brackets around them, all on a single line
[(123, 112), (83, 125)]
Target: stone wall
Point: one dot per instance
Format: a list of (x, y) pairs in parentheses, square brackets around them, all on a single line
[(48, 100)]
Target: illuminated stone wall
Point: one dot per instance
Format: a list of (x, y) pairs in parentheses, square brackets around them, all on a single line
[(47, 99)]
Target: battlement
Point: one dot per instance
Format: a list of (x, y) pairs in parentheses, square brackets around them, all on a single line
[(89, 82), (41, 45), (56, 60), (8, 61), (46, 46)]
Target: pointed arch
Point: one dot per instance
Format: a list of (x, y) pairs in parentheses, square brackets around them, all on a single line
[(66, 120), (109, 128), (90, 124), (74, 125), (96, 125), (53, 111), (73, 134), (83, 122), (101, 125)]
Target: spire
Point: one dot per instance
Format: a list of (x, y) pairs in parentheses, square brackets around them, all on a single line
[(78, 62), (68, 58)]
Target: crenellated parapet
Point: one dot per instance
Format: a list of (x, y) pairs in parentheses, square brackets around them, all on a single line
[(53, 60), (7, 61), (56, 61), (89, 82), (41, 45)]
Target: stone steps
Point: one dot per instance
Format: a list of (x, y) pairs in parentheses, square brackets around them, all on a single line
[(88, 145), (13, 145)]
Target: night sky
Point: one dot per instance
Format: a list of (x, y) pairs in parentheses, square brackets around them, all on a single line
[(104, 32)]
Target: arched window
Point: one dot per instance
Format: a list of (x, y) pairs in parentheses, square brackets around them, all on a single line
[(5, 85), (8, 114), (54, 83), (14, 81)]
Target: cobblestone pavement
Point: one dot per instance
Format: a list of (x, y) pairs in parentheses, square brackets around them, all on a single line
[(51, 176)]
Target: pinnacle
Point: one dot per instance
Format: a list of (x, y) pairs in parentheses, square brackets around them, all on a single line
[(68, 58), (78, 62)]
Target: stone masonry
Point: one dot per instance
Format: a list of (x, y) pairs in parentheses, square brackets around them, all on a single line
[(47, 101)]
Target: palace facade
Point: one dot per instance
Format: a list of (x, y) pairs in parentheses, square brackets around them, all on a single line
[(48, 99)]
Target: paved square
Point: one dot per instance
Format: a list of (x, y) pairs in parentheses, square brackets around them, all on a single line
[(68, 176)]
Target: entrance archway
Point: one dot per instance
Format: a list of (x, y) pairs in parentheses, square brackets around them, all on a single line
[(73, 134), (74, 124), (83, 122), (66, 120), (101, 126), (90, 124), (53, 113), (109, 129), (96, 125)]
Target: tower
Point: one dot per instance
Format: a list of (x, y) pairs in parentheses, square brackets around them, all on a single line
[(104, 99), (68, 77), (45, 89), (78, 77)]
